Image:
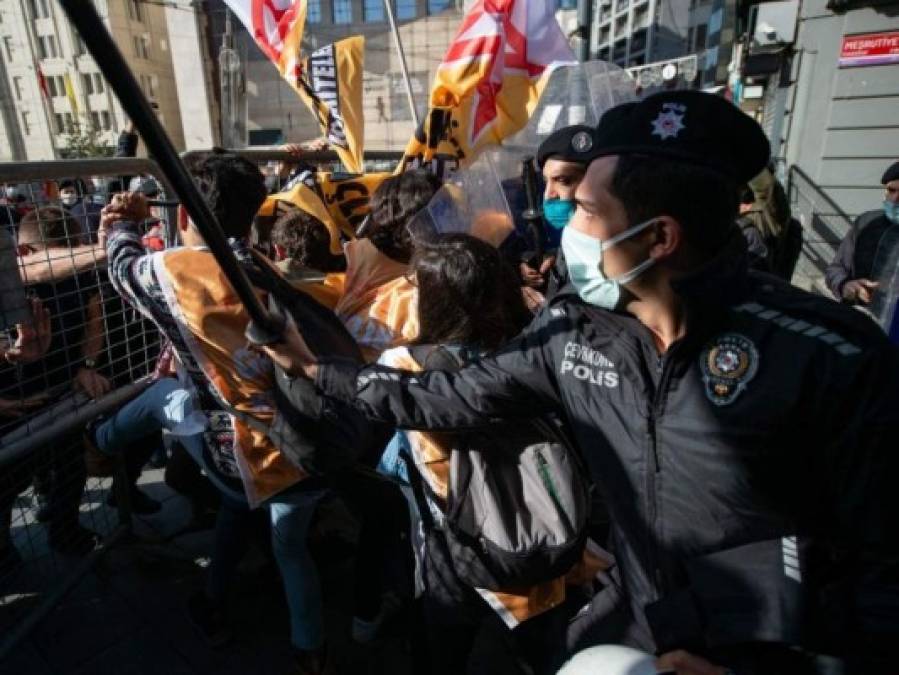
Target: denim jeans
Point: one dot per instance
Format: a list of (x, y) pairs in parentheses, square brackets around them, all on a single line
[(166, 405), (291, 514), (163, 405)]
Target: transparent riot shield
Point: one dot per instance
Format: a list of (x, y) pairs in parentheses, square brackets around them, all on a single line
[(574, 94), (487, 198), (885, 271)]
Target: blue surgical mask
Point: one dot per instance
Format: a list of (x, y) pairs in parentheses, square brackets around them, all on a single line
[(558, 212), (583, 255), (891, 211)]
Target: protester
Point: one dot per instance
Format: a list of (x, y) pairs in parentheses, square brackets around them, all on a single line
[(303, 247), (702, 395), (72, 359), (773, 235), (759, 254), (185, 292), (74, 196), (851, 276), (469, 304), (377, 305), (31, 342)]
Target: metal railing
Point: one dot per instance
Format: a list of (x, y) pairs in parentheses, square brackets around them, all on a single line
[(41, 443), (824, 225), (56, 519)]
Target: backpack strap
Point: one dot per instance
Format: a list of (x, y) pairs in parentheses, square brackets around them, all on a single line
[(418, 490)]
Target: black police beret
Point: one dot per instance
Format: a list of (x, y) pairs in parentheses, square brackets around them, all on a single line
[(568, 144), (689, 126), (890, 174)]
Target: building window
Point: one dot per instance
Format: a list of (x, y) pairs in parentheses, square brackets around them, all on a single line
[(134, 10), (107, 120), (87, 84), (39, 9), (314, 11), (343, 11), (70, 123), (17, 85), (146, 83), (80, 47), (141, 46), (57, 85), (60, 122), (437, 6), (7, 44), (95, 120), (372, 11), (26, 122), (46, 47), (701, 32), (99, 87), (405, 9)]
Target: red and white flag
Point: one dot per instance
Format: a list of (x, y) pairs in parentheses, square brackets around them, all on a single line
[(490, 79)]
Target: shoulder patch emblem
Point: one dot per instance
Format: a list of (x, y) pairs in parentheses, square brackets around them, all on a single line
[(728, 363)]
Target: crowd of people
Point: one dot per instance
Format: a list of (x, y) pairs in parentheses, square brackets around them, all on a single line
[(645, 437)]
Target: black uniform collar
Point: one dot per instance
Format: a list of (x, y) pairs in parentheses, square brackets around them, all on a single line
[(720, 281)]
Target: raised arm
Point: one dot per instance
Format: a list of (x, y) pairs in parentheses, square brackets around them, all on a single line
[(517, 382), (59, 263)]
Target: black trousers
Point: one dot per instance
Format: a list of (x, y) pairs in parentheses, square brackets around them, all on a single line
[(62, 463)]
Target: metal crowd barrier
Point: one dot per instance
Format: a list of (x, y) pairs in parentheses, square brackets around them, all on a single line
[(45, 495), (824, 225), (55, 520)]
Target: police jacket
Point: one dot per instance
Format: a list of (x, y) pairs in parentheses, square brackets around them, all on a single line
[(750, 471)]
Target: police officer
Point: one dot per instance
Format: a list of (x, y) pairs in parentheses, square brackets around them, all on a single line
[(563, 169), (742, 431)]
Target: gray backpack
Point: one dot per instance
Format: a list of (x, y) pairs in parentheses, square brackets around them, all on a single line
[(518, 499)]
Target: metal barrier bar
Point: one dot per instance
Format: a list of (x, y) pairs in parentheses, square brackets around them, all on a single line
[(20, 441), (17, 172), (795, 170), (276, 154)]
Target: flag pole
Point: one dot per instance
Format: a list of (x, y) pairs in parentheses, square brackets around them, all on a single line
[(265, 327), (402, 55)]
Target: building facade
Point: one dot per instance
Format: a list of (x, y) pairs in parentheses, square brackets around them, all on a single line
[(829, 104), (275, 114), (55, 88), (636, 32)]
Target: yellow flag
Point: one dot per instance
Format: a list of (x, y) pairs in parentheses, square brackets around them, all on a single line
[(489, 81), (70, 93), (330, 83), (329, 80), (340, 202)]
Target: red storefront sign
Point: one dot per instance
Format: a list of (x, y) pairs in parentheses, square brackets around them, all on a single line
[(869, 49)]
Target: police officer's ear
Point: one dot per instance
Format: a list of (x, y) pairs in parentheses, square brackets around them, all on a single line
[(666, 238)]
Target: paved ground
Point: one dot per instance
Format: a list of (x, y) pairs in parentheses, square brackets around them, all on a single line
[(127, 616)]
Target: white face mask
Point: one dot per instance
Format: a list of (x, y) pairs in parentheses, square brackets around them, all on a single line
[(583, 255), (69, 200)]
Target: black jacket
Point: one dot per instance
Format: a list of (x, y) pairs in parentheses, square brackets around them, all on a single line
[(852, 261), (791, 431)]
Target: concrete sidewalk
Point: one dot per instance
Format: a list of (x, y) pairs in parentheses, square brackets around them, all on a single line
[(127, 616)]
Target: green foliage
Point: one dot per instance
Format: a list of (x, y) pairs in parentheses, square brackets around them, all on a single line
[(84, 140)]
